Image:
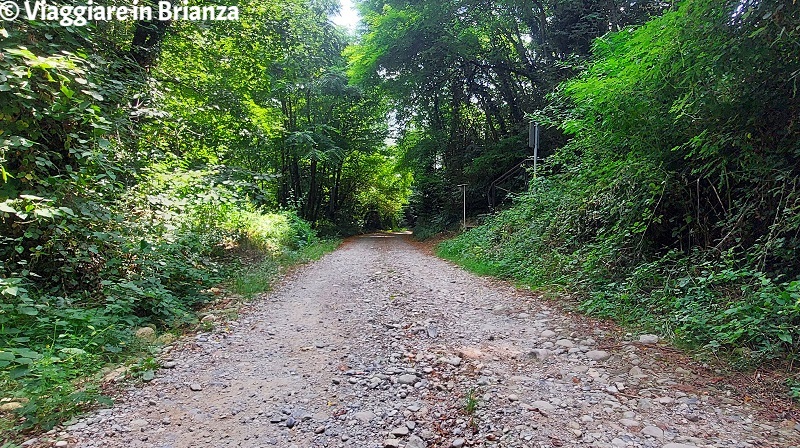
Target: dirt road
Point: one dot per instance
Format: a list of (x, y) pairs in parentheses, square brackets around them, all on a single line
[(381, 345)]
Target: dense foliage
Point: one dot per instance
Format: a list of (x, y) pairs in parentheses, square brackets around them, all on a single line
[(137, 158), (675, 202), (461, 76)]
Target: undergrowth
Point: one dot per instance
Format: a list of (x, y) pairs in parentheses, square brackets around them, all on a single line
[(674, 206), (257, 277), (698, 299), (156, 270)]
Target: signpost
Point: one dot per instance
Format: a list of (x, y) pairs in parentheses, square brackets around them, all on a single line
[(533, 142), (464, 195)]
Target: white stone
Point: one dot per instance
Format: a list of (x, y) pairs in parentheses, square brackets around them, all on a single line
[(648, 339), (598, 355), (543, 406), (653, 431), (565, 343), (629, 423)]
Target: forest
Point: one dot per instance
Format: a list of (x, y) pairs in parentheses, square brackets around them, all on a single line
[(144, 163)]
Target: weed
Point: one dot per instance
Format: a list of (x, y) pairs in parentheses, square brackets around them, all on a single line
[(793, 384), (252, 280), (145, 369), (470, 402)]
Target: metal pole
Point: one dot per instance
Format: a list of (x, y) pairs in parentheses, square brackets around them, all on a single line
[(536, 150), (464, 193), (465, 207)]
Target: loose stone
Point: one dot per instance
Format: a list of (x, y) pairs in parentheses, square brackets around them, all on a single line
[(407, 379), (648, 339), (653, 431), (598, 355)]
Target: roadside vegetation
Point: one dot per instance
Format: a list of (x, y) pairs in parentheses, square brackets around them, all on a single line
[(667, 195), (146, 165), (674, 204)]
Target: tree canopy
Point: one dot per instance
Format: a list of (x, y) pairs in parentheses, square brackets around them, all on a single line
[(138, 158)]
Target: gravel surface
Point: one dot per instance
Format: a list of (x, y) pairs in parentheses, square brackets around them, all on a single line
[(381, 345)]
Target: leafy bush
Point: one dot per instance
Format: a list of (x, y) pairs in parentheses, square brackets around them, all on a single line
[(153, 270), (675, 204)]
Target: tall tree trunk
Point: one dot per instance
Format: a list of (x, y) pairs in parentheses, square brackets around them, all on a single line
[(312, 192), (333, 205)]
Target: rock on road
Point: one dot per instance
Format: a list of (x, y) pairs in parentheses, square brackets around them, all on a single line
[(381, 345)]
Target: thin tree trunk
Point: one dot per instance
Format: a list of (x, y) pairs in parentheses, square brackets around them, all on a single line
[(147, 38)]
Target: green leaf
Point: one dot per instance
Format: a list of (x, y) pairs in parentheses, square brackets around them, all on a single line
[(18, 372), (28, 310), (67, 92)]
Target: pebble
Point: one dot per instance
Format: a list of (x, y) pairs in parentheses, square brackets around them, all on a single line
[(540, 353), (400, 431), (454, 361), (598, 355), (415, 442), (458, 443), (543, 406), (648, 339), (566, 343), (364, 416), (629, 423), (138, 423), (653, 431), (196, 387), (407, 379)]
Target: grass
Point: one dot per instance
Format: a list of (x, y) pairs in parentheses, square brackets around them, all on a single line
[(257, 278), (67, 383), (474, 265), (470, 402)]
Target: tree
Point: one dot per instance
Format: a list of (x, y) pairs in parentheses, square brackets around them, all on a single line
[(465, 73)]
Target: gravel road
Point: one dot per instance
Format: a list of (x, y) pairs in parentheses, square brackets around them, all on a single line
[(381, 345)]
